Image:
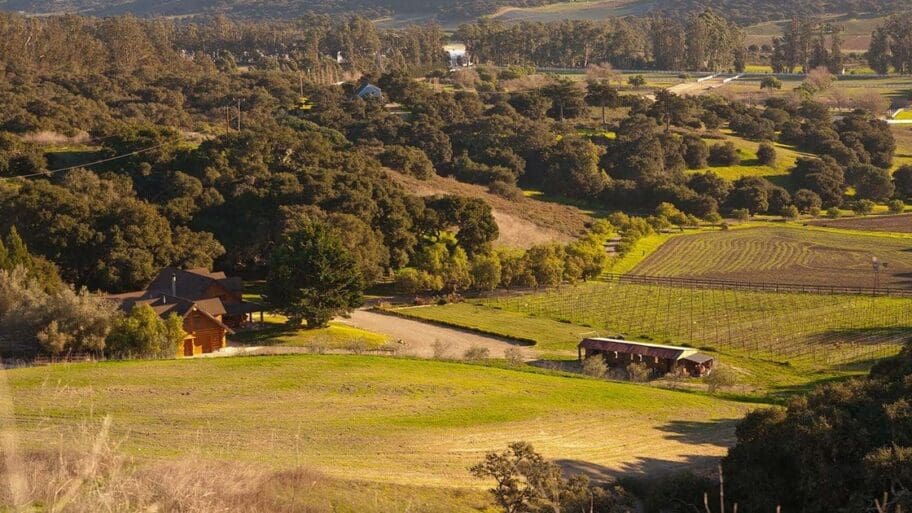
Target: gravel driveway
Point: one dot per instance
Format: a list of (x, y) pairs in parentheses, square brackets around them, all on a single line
[(418, 337)]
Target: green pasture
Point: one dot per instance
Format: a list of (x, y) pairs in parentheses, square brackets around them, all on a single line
[(373, 419), (557, 340)]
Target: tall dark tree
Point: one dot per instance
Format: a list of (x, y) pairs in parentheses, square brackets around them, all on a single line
[(312, 277)]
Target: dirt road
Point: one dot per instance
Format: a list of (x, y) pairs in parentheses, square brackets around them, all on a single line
[(418, 338)]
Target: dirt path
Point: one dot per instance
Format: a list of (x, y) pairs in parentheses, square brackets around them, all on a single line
[(418, 337), (696, 88)]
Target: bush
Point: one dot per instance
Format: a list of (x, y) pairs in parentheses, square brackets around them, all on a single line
[(807, 201), (720, 377), (741, 214), (766, 154), (833, 213), (514, 356), (896, 206), (411, 281), (724, 154), (863, 207), (790, 212), (639, 372), (357, 346), (595, 366), (476, 354), (409, 160), (143, 333), (441, 350), (505, 190)]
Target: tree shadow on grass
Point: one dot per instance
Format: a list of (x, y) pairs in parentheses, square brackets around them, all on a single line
[(263, 334), (719, 433), (854, 337), (639, 468), (711, 433)]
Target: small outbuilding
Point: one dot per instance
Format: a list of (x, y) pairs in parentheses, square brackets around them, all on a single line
[(369, 91), (661, 358)]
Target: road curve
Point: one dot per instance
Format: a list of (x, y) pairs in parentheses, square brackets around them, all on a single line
[(418, 338)]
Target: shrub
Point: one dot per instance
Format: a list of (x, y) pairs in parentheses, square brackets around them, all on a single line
[(766, 154), (476, 354), (695, 152), (318, 345), (514, 356), (833, 213), (790, 212), (595, 366), (863, 207), (639, 372), (741, 214), (409, 160), (720, 377), (724, 154), (357, 346), (896, 206), (411, 281), (505, 190), (143, 333), (807, 201), (441, 350)]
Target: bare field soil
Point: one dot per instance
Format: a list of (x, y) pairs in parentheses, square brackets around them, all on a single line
[(896, 224), (785, 255)]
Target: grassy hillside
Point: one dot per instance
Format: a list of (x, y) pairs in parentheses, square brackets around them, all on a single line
[(786, 254), (387, 420)]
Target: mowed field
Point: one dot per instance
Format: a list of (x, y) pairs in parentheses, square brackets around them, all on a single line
[(375, 419), (856, 31), (896, 224), (785, 255)]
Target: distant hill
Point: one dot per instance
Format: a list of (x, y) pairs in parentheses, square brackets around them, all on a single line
[(268, 9), (741, 11)]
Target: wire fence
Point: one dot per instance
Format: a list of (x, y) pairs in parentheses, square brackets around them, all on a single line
[(813, 326)]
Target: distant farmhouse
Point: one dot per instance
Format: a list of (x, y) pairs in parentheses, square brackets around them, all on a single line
[(662, 359), (210, 303), (369, 91)]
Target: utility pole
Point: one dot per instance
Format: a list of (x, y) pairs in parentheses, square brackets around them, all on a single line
[(239, 114)]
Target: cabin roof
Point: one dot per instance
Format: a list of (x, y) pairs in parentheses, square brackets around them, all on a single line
[(640, 348)]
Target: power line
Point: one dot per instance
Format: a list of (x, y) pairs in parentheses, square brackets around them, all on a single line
[(87, 164)]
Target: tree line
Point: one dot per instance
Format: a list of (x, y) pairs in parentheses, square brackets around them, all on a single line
[(318, 46), (891, 46), (699, 42)]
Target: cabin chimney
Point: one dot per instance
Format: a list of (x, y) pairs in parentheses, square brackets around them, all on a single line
[(174, 284)]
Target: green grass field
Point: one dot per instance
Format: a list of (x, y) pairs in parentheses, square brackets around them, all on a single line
[(811, 332), (815, 335), (374, 419), (336, 336), (777, 173), (525, 317), (786, 254)]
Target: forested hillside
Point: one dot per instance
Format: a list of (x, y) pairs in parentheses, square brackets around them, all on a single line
[(740, 11)]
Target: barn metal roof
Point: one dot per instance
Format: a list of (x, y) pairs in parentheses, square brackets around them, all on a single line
[(640, 348)]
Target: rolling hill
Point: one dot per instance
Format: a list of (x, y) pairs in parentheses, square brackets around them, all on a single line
[(742, 11)]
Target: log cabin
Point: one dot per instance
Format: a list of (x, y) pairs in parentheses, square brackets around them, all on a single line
[(210, 304), (661, 359)]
